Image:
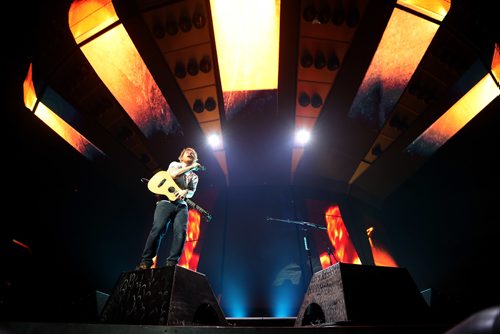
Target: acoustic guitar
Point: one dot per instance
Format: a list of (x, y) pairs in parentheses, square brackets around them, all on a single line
[(162, 183)]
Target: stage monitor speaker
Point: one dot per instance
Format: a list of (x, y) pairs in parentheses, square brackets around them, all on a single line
[(362, 294), (163, 296)]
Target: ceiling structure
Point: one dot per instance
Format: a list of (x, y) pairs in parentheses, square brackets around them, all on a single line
[(326, 49)]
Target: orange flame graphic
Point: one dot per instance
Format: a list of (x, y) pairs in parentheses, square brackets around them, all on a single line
[(189, 258), (343, 248), (380, 256)]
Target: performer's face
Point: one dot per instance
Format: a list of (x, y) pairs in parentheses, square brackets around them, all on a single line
[(189, 156)]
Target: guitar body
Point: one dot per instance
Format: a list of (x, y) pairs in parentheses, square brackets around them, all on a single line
[(162, 183)]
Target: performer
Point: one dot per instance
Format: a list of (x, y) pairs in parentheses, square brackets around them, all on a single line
[(176, 211)]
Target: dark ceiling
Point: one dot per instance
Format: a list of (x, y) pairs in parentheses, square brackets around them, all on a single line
[(258, 137)]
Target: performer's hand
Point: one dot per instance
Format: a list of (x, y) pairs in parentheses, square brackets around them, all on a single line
[(182, 194), (196, 166)]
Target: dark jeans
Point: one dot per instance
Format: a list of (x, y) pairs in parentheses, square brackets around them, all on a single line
[(166, 212)]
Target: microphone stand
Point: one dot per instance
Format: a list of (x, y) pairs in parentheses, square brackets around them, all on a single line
[(305, 226)]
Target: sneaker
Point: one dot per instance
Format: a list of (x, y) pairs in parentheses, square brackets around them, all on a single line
[(142, 266)]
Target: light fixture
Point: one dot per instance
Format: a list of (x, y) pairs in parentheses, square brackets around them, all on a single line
[(309, 13), (210, 104), (198, 106), (192, 67), (180, 70), (205, 64), (307, 59), (302, 137), (199, 20), (316, 100), (304, 99), (215, 141), (319, 60), (333, 62), (185, 23)]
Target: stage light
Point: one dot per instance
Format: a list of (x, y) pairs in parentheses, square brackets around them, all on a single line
[(198, 106), (185, 23), (309, 13), (180, 70), (324, 14), (215, 141), (205, 64), (319, 60), (333, 62), (199, 20), (304, 99), (316, 101), (302, 137), (306, 60), (171, 27), (192, 67), (210, 104)]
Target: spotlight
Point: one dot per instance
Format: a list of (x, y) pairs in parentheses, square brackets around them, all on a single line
[(304, 99), (316, 101), (306, 60), (377, 150), (198, 106), (215, 141), (205, 64), (324, 14), (210, 104), (185, 23), (192, 67), (171, 27), (199, 20), (302, 137), (309, 13), (180, 70), (333, 62), (319, 60)]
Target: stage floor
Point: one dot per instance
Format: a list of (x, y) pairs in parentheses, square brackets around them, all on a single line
[(236, 326)]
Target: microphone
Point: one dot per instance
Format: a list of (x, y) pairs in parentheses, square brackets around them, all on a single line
[(200, 167)]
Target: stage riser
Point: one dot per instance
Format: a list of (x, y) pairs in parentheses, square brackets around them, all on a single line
[(172, 296), (361, 294)]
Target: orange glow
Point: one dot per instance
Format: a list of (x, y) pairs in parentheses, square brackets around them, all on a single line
[(189, 258), (19, 243), (57, 124), (436, 9), (476, 99), (495, 63), (343, 247), (247, 39), (86, 18), (121, 68), (326, 260), (29, 90), (380, 256), (401, 49)]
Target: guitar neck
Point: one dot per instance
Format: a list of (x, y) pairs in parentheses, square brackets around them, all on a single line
[(199, 208)]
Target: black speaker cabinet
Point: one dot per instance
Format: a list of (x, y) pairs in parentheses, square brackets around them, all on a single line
[(163, 296), (362, 294)]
